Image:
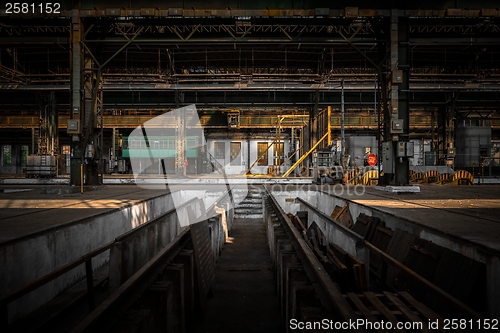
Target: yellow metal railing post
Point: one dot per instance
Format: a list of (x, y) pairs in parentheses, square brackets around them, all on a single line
[(303, 157), (81, 178), (329, 126)]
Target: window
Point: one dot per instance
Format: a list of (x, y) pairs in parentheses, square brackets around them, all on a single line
[(171, 144), (262, 152), (24, 155), (134, 144), (279, 157), (192, 143), (234, 153), (219, 150), (7, 155)]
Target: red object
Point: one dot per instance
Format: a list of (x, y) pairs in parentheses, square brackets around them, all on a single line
[(372, 159)]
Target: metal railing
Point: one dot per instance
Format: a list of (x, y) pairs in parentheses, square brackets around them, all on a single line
[(216, 166), (329, 295), (87, 260)]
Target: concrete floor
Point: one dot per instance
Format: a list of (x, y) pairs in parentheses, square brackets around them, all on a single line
[(245, 300), (468, 212), (25, 210), (30, 212)]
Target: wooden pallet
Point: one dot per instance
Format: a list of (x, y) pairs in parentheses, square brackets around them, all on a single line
[(394, 308)]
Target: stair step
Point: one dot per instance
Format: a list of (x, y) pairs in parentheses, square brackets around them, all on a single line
[(248, 216), (254, 195), (247, 211), (250, 204), (253, 198)]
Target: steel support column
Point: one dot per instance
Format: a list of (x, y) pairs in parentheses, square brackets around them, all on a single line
[(76, 80), (342, 130), (394, 59), (402, 176), (450, 131), (91, 105), (313, 123), (180, 161)]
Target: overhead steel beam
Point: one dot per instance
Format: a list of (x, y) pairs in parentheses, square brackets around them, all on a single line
[(414, 87)]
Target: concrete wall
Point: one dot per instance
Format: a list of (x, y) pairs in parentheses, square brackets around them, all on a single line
[(226, 162), (130, 252), (27, 260), (356, 146)]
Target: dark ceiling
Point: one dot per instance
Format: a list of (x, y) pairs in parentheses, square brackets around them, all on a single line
[(245, 62)]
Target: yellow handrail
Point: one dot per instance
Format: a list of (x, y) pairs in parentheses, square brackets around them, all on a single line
[(303, 157)]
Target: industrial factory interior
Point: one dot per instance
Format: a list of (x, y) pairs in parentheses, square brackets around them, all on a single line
[(230, 166)]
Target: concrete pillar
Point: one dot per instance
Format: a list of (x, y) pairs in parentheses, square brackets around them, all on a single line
[(493, 289), (133, 321), (186, 258), (158, 299), (294, 273), (285, 259), (115, 265), (175, 274), (302, 295)]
